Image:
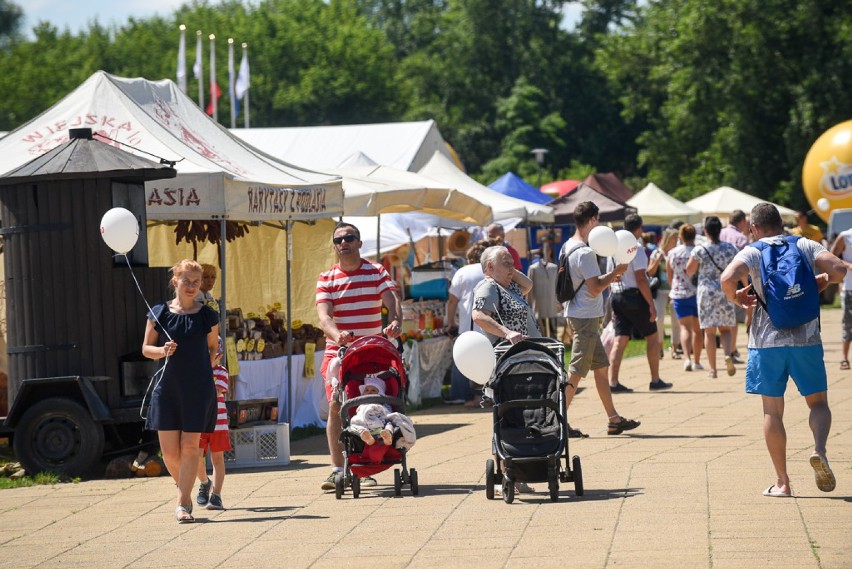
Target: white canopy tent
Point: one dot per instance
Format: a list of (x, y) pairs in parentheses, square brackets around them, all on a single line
[(218, 174), (504, 207), (402, 145), (659, 208), (722, 201)]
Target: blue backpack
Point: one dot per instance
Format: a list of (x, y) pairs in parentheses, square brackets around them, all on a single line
[(790, 291)]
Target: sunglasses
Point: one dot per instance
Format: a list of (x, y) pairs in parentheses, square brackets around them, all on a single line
[(348, 238)]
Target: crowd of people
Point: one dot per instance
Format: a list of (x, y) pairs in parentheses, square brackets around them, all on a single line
[(707, 276)]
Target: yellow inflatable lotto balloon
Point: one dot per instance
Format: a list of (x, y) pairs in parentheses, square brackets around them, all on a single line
[(827, 172)]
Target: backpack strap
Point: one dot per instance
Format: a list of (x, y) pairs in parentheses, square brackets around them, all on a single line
[(568, 254)]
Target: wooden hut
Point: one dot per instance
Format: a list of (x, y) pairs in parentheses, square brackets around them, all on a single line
[(72, 306)]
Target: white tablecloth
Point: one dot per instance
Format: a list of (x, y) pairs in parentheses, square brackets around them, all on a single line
[(426, 376), (268, 378)]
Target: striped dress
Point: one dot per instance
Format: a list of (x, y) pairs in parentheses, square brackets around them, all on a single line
[(220, 377), (355, 297)]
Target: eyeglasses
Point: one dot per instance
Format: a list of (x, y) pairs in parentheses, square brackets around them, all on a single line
[(348, 238), (190, 284)]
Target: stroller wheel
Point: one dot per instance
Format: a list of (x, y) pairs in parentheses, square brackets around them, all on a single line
[(553, 486), (508, 490), (338, 485), (489, 479), (415, 487), (578, 475), (397, 482), (356, 486)]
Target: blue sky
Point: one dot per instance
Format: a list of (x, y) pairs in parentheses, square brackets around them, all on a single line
[(76, 15)]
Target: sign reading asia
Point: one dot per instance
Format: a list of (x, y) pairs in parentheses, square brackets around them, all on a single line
[(173, 197), (271, 200)]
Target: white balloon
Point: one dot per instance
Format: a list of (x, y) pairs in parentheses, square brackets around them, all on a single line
[(627, 247), (603, 241), (823, 204), (119, 229), (474, 357)]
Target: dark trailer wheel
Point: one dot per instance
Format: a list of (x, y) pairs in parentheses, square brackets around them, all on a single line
[(58, 435)]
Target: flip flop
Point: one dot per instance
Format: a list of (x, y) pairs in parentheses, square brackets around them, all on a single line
[(774, 492), (844, 364), (825, 480)]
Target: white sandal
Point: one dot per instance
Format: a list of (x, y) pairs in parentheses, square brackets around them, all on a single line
[(183, 515)]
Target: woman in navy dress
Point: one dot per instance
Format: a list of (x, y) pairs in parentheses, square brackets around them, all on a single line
[(183, 403)]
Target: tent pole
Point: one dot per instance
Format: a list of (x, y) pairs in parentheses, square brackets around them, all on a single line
[(223, 235), (289, 327), (378, 238)]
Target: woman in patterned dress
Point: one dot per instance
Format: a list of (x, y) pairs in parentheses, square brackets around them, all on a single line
[(714, 310), (499, 307)]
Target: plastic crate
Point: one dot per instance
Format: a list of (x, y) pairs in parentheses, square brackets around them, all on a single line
[(258, 446)]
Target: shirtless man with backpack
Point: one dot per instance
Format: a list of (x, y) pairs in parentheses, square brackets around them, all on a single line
[(784, 341), (585, 312)]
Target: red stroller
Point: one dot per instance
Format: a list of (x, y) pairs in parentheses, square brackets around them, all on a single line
[(377, 356)]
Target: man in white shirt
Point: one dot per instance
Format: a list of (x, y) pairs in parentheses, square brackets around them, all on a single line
[(633, 308), (842, 248), (776, 354)]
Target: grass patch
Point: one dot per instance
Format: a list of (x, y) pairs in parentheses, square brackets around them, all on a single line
[(40, 479), (299, 433)]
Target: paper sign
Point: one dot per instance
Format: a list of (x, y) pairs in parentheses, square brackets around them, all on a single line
[(310, 349), (231, 352)]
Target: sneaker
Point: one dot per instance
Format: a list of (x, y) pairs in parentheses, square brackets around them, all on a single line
[(203, 493), (735, 357), (215, 502), (619, 388), (729, 363), (658, 385), (697, 366), (328, 484), (368, 481), (687, 365)]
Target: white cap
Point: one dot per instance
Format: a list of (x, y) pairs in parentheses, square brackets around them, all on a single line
[(376, 382)]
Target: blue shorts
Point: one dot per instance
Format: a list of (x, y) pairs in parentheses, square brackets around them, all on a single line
[(684, 307), (767, 370)]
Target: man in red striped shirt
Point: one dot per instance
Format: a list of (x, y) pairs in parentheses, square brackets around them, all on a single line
[(350, 296)]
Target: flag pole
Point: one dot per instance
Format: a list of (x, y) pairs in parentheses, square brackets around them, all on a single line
[(181, 62), (198, 70), (231, 82), (245, 53), (213, 101)]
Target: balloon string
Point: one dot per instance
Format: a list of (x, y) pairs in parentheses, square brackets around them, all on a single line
[(155, 379)]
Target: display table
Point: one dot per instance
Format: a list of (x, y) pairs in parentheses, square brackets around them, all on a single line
[(268, 378), (428, 362)]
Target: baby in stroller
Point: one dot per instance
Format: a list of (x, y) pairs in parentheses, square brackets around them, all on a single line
[(372, 386), (372, 420)]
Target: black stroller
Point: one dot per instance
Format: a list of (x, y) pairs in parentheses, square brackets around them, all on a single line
[(530, 429)]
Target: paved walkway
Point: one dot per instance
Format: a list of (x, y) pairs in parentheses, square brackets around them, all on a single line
[(683, 491)]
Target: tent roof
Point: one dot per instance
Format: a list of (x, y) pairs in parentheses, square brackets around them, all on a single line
[(444, 170), (372, 190), (510, 184), (218, 174), (560, 187), (403, 145), (609, 185), (610, 209), (722, 201), (85, 157), (659, 208)]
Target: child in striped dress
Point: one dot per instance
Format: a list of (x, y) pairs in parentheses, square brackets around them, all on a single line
[(217, 442)]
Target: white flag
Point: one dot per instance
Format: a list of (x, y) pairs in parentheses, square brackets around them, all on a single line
[(242, 84), (196, 68), (181, 62)]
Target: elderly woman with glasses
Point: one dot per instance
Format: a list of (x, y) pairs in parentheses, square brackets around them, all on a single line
[(499, 307), (185, 334)]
